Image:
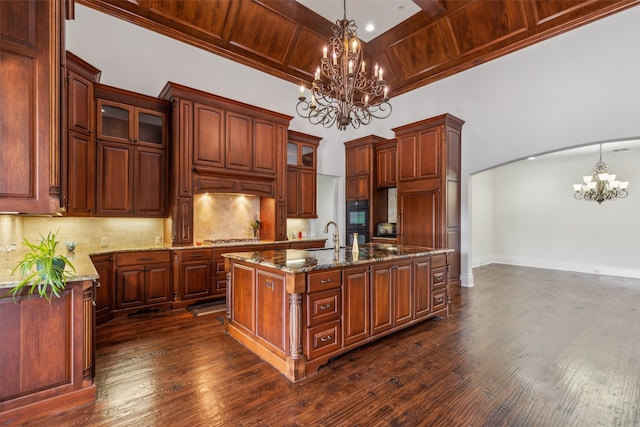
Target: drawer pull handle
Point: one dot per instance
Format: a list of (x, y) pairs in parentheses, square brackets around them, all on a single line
[(325, 306), (269, 285), (439, 300), (149, 258), (197, 255), (325, 281), (327, 338)]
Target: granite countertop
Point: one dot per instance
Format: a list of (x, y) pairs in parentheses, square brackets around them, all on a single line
[(81, 262), (300, 261), (81, 257)]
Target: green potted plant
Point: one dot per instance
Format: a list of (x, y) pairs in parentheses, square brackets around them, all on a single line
[(255, 226), (49, 277)]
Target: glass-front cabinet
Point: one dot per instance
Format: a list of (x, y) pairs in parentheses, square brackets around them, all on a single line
[(301, 175), (119, 122), (301, 155)]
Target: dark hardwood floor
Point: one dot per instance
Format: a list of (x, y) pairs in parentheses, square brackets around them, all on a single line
[(524, 347)]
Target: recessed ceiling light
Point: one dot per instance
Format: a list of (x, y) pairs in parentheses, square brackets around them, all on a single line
[(532, 158), (370, 27)]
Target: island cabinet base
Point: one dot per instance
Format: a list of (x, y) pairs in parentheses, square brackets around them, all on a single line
[(299, 320), (47, 354)]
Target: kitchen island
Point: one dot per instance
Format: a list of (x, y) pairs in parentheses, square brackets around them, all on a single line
[(297, 309)]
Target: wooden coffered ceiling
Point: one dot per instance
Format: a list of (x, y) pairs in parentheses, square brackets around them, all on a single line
[(285, 39)]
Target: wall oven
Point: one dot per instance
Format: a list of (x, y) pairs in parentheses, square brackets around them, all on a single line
[(357, 221)]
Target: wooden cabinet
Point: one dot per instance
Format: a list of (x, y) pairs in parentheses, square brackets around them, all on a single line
[(301, 175), (297, 320), (391, 295), (323, 311), (104, 294), (355, 305), (143, 279), (47, 353), (131, 153), (78, 144), (429, 186), (194, 275), (386, 164), (358, 155), (224, 146), (31, 41)]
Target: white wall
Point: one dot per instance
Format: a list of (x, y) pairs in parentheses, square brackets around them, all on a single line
[(537, 222), (573, 89)]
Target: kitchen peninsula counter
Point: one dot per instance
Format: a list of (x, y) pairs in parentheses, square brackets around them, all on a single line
[(297, 309)]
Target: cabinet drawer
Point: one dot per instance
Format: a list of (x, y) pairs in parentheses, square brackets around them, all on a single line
[(196, 255), (323, 281), (438, 278), (142, 257), (323, 339), (323, 307), (439, 300), (438, 261)]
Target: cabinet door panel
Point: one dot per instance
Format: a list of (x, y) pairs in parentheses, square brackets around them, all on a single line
[(80, 102), (115, 121), (114, 185), (381, 298), (150, 128), (418, 217), (80, 170), (238, 147), (355, 297), (271, 316), (403, 295), (428, 154), (407, 146), (293, 191), (150, 182), (130, 287), (158, 283), (195, 280), (264, 146), (208, 144), (307, 194)]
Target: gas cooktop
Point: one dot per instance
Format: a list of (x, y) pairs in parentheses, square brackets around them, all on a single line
[(231, 240)]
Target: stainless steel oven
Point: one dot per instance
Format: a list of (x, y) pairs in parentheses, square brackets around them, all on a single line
[(357, 221)]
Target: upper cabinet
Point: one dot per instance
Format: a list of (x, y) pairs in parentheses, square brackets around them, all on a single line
[(30, 45), (223, 146), (131, 154), (78, 147), (386, 164), (301, 175), (359, 167)]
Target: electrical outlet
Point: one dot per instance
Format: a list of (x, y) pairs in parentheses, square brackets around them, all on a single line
[(158, 240), (104, 242)]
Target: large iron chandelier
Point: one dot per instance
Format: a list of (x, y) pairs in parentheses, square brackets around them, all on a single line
[(601, 185), (341, 92)]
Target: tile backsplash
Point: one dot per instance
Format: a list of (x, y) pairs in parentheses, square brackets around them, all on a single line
[(88, 232), (224, 216)]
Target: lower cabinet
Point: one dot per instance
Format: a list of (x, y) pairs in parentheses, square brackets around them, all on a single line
[(391, 295), (143, 279), (193, 279), (355, 305), (104, 294)]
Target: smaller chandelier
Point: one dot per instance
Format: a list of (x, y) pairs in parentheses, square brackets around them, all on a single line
[(601, 185), (341, 92)]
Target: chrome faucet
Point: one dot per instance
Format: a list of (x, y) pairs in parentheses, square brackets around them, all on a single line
[(336, 236)]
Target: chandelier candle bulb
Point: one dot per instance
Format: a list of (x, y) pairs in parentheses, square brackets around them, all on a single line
[(350, 67), (362, 67), (324, 53)]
